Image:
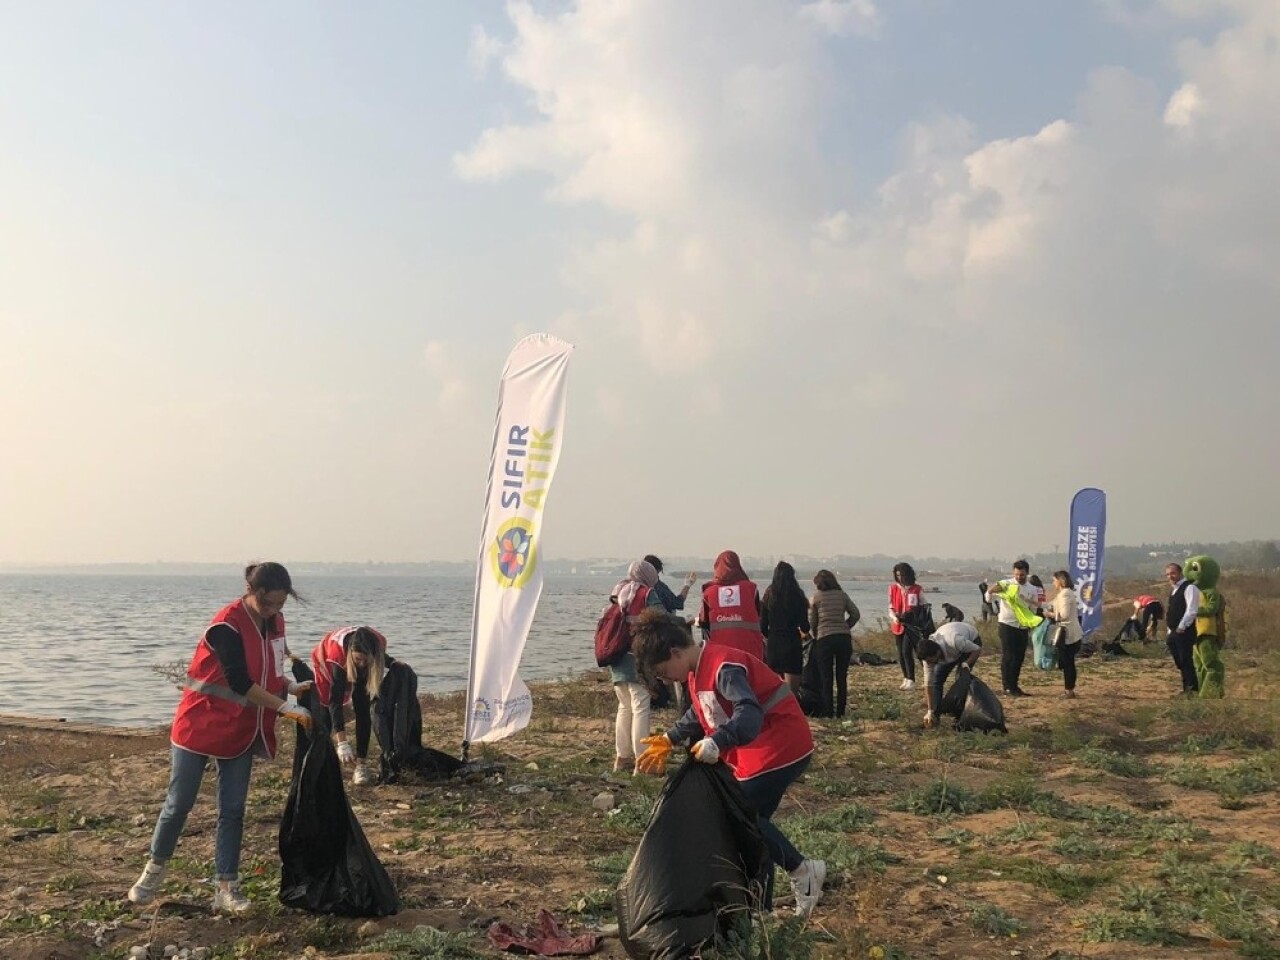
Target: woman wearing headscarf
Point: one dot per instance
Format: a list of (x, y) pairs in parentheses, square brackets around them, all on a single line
[(832, 616), (731, 607), (631, 725)]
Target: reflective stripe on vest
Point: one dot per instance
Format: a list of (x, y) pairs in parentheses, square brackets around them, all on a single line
[(776, 698), (215, 690), (732, 625)]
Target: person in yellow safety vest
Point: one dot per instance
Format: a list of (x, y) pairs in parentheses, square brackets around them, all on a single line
[(1017, 599)]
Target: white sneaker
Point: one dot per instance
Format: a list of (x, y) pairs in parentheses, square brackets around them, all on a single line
[(148, 885), (364, 774), (230, 900), (908, 684), (806, 883)]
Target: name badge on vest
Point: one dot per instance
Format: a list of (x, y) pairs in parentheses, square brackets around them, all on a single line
[(711, 710), (278, 649), (731, 596)]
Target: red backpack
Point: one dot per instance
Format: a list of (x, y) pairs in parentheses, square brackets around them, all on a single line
[(613, 635)]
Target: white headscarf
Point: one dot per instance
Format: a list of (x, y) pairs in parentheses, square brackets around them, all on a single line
[(639, 574)]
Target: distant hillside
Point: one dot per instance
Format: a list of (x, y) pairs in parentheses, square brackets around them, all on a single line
[(1146, 560)]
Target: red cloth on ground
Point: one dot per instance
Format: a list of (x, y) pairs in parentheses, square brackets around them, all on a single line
[(548, 939)]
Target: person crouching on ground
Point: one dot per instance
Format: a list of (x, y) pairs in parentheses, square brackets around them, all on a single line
[(744, 714), (349, 664), (954, 644), (1065, 612), (233, 691)]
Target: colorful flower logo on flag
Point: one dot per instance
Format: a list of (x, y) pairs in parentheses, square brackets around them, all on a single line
[(512, 553)]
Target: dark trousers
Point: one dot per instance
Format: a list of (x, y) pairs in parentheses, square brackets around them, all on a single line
[(938, 674), (1067, 664), (906, 655), (324, 726), (1181, 646), (1013, 650), (765, 793), (833, 653)]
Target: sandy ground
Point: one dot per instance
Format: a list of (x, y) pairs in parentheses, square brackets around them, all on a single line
[(78, 809)]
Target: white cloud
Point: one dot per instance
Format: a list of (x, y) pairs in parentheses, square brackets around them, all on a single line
[(979, 275), (858, 18), (1185, 104)]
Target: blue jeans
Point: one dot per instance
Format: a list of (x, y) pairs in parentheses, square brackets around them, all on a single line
[(184, 787), (765, 793)]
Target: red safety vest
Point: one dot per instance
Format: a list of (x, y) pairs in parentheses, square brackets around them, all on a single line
[(330, 657), (1144, 601), (214, 720), (733, 618), (783, 739), (902, 599)]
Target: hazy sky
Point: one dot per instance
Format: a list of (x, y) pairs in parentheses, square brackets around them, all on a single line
[(843, 277)]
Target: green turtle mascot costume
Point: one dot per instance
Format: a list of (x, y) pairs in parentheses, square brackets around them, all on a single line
[(1211, 625)]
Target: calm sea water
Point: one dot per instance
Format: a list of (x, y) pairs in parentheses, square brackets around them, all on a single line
[(84, 648)]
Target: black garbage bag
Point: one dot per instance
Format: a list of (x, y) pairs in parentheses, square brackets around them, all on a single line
[(327, 865), (810, 695), (398, 724), (973, 704), (699, 871)]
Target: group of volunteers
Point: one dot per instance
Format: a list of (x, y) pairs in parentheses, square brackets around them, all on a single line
[(742, 680), (234, 688), (743, 677)]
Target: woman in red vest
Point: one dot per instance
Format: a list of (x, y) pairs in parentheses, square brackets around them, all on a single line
[(731, 608), (234, 689), (744, 714), (905, 596), (348, 665)]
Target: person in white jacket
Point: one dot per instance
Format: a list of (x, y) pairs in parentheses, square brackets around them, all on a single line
[(1065, 613)]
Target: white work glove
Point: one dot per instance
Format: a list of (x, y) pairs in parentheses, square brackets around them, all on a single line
[(706, 751), (300, 689), (345, 754), (299, 715)]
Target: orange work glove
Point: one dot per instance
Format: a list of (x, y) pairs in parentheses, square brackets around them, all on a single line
[(654, 759)]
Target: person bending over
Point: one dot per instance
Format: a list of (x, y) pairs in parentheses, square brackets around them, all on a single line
[(349, 664), (954, 644), (744, 714)]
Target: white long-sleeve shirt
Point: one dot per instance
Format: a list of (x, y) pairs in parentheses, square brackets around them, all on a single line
[(1192, 596)]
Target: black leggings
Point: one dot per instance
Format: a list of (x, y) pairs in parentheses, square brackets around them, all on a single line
[(834, 653), (906, 655), (1013, 650), (1067, 664), (360, 706)]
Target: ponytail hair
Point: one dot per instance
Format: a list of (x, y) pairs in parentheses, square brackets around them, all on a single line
[(268, 577)]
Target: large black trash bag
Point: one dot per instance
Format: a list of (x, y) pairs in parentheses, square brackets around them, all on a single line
[(973, 704), (398, 724), (810, 695), (327, 865), (700, 868)]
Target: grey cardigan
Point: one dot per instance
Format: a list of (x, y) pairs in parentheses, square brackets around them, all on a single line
[(827, 612)]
